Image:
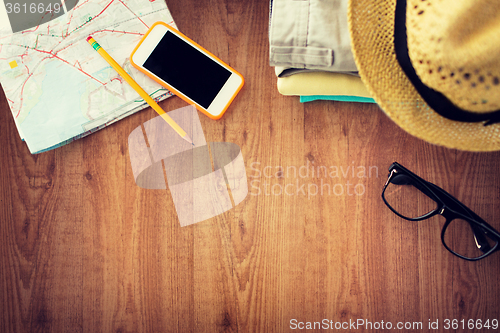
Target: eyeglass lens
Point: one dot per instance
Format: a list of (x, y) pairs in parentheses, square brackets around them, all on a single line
[(459, 238), (404, 196)]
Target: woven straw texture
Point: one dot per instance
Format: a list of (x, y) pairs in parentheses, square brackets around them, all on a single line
[(371, 24), (455, 49)]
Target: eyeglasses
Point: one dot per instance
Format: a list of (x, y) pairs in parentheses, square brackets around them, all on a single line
[(464, 233)]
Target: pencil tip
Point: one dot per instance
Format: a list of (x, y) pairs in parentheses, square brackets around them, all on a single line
[(188, 139)]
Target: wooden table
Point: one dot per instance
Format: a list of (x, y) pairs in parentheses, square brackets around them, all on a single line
[(83, 249)]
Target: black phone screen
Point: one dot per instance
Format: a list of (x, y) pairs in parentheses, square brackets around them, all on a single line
[(186, 69)]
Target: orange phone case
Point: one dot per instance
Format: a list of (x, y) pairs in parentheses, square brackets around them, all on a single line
[(177, 93)]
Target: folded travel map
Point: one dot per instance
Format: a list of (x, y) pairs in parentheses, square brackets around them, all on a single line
[(57, 87)]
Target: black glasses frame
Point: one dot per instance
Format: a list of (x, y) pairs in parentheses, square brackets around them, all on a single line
[(447, 206)]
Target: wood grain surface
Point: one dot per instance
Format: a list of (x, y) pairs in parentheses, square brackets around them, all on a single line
[(83, 249)]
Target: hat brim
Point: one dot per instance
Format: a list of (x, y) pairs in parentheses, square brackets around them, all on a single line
[(371, 25)]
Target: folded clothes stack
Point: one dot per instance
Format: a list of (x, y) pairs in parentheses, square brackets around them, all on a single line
[(310, 49)]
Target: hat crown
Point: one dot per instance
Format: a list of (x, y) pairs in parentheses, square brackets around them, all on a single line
[(454, 46)]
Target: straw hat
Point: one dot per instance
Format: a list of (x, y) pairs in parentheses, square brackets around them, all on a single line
[(433, 66)]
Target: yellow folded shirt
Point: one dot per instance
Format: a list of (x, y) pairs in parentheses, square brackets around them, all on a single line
[(322, 83)]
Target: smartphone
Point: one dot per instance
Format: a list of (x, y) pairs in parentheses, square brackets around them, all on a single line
[(187, 69)]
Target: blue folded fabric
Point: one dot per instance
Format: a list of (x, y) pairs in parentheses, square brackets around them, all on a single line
[(340, 98)]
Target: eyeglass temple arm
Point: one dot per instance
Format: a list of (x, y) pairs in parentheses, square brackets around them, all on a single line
[(479, 233), (451, 202)]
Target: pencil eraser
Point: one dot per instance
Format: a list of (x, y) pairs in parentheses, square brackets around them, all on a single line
[(89, 38)]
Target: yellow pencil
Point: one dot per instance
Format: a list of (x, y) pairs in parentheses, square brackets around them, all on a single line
[(138, 88)]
